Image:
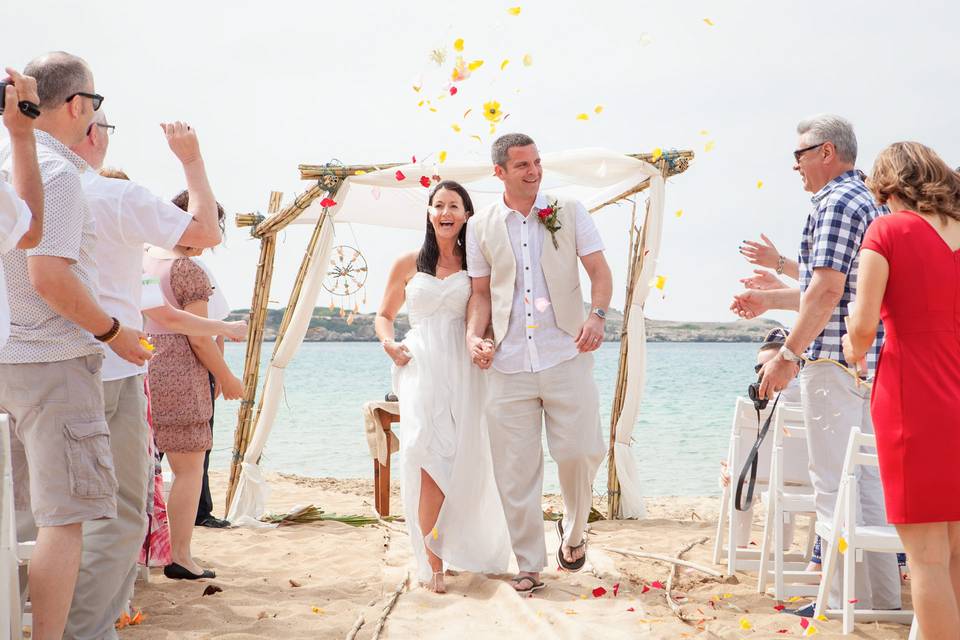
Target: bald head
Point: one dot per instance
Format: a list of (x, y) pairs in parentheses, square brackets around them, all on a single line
[(59, 75)]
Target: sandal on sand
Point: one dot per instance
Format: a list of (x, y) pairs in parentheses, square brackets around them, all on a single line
[(576, 565), (534, 584)]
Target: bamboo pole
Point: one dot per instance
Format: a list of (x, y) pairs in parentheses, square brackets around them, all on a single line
[(278, 222), (251, 365), (305, 265)]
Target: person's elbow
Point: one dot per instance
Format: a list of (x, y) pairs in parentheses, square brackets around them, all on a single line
[(31, 238), (46, 282), (201, 236)]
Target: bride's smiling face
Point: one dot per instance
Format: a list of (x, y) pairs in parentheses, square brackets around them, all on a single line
[(447, 214)]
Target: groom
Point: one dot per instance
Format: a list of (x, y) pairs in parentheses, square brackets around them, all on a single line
[(522, 258)]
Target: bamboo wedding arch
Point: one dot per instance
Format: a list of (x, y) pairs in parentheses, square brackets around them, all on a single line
[(618, 178)]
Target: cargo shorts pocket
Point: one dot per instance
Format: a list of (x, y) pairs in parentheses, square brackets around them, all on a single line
[(89, 459)]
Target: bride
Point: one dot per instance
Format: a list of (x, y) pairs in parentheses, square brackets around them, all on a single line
[(452, 508)]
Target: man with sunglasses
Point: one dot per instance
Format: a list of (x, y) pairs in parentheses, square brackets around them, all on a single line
[(50, 367), (833, 399)]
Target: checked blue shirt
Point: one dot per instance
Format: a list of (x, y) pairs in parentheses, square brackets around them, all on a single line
[(843, 209)]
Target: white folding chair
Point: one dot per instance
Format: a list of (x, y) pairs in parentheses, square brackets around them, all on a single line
[(743, 434), (854, 539), (14, 611), (790, 494), (914, 629)]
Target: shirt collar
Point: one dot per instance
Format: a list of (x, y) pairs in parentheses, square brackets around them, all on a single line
[(833, 184), (55, 145), (539, 203)]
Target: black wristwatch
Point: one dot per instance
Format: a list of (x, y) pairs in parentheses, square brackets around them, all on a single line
[(600, 313)]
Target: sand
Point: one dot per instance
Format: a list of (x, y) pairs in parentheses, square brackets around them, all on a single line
[(316, 580)]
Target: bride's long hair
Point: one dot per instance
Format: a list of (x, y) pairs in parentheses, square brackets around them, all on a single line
[(430, 251)]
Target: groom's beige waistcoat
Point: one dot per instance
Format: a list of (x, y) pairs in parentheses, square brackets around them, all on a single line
[(559, 265)]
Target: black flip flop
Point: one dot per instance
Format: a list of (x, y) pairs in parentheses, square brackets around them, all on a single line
[(535, 585), (576, 565)]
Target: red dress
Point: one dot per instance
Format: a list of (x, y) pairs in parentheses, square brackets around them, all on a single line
[(916, 396)]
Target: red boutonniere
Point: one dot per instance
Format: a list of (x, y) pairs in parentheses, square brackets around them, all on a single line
[(548, 218)]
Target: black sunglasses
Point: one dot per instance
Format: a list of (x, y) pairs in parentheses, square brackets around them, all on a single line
[(109, 127), (799, 152), (96, 97)]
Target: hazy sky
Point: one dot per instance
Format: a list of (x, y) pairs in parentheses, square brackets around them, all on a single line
[(271, 85)]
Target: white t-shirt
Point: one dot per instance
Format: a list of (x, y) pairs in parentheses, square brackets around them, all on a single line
[(15, 218), (127, 217)]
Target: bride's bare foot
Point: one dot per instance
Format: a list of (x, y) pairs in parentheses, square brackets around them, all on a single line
[(436, 583)]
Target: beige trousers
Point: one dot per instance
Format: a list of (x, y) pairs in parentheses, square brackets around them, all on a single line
[(111, 547), (565, 398)]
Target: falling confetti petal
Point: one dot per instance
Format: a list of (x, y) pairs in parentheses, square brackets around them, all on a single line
[(453, 91), (645, 39), (476, 64), (458, 44), (709, 22), (709, 146), (327, 202), (660, 282), (657, 154), (616, 589), (477, 138), (704, 132), (413, 159), (583, 116), (745, 624), (804, 623), (779, 607), (842, 545), (315, 609), (759, 184), (514, 11), (541, 304), (795, 599), (503, 65), (438, 56), (631, 609), (533, 326), (460, 70), (853, 601), (399, 176), (570, 612), (435, 533), (598, 592), (466, 113), (679, 213), (656, 584), (598, 108), (433, 109), (491, 111), (359, 172), (421, 103), (442, 156), (645, 589), (527, 60), (811, 630), (425, 181), (822, 618), (456, 127), (375, 192)]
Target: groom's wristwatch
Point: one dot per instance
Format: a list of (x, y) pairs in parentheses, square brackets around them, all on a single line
[(600, 313), (789, 355)]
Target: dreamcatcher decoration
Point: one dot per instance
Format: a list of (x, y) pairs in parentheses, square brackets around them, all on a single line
[(346, 276)]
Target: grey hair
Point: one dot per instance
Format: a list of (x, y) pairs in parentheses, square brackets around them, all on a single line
[(830, 128), (59, 75), (503, 144)]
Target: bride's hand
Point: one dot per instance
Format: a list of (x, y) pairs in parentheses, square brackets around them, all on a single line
[(397, 352), (481, 351)]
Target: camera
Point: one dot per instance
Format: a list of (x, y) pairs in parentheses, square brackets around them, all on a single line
[(27, 108), (753, 392)]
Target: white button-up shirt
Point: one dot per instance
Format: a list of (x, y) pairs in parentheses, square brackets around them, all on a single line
[(533, 342), (127, 216), (15, 217)]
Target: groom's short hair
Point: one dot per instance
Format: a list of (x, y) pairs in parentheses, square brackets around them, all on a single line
[(503, 144)]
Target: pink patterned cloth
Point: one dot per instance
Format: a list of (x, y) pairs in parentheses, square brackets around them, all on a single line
[(156, 546)]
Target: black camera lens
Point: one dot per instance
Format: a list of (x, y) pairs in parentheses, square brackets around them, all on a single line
[(3, 94), (753, 392)]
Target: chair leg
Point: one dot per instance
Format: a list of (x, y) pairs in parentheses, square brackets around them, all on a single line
[(768, 524), (721, 521), (849, 582), (830, 555), (778, 552)]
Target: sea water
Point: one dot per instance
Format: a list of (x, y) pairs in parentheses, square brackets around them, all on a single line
[(680, 437)]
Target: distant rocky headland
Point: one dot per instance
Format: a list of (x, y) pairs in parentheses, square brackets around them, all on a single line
[(328, 325)]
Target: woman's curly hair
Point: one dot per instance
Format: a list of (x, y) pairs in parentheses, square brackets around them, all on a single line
[(914, 174)]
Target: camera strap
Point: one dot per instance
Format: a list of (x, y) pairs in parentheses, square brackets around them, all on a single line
[(752, 462)]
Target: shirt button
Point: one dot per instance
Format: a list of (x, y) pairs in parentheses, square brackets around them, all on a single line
[(527, 268), (528, 290)]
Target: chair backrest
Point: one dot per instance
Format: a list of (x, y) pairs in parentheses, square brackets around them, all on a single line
[(856, 455), (789, 432), (745, 427)]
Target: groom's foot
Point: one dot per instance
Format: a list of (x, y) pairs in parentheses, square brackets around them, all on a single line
[(526, 582), (573, 554)]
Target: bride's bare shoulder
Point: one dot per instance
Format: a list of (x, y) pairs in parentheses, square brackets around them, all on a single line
[(405, 266)]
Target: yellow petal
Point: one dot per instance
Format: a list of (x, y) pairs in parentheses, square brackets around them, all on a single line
[(661, 282), (759, 184), (583, 116), (822, 618), (679, 213), (359, 172), (433, 109), (456, 127), (527, 60), (435, 533), (477, 138), (726, 596), (704, 132), (709, 22), (503, 65), (458, 44), (795, 599), (745, 624), (657, 153), (420, 104), (842, 545), (598, 108), (709, 146), (442, 156), (476, 64), (810, 630), (467, 112), (514, 11)]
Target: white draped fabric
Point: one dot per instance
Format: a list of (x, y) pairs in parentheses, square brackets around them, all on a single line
[(594, 176)]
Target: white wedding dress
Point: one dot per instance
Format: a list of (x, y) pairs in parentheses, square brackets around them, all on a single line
[(443, 431)]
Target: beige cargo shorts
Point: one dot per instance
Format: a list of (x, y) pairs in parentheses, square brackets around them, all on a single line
[(60, 444)]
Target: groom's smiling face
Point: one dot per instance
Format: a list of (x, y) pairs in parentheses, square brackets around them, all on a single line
[(522, 173)]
